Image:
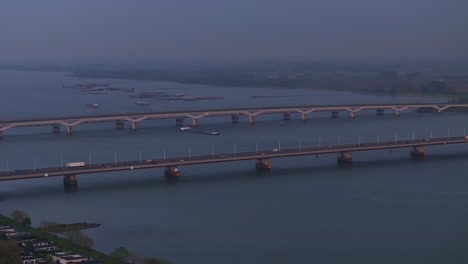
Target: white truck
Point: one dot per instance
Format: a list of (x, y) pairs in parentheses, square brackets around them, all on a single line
[(75, 164)]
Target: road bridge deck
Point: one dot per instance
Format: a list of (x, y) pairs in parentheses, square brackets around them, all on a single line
[(134, 118), (224, 157)]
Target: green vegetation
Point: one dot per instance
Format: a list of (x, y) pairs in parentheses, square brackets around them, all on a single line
[(20, 216), (74, 242), (65, 244), (9, 252)]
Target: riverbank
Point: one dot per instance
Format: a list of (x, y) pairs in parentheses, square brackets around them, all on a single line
[(59, 228), (379, 87), (63, 243)]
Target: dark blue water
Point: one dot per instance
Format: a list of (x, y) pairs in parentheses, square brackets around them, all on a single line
[(384, 208)]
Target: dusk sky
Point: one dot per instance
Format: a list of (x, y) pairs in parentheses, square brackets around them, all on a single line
[(103, 30)]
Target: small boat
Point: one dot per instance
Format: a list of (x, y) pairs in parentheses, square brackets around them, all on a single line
[(145, 103), (94, 105), (214, 133), (184, 128), (171, 171)]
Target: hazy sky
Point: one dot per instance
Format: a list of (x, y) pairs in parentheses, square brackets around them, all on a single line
[(101, 30)]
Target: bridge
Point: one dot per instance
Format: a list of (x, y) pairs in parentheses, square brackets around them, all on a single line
[(195, 115), (262, 158)]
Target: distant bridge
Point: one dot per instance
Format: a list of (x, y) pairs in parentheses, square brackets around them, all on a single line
[(262, 158), (195, 115)]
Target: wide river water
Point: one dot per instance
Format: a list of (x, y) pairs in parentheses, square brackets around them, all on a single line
[(383, 208)]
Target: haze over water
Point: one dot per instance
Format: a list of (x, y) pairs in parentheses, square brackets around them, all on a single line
[(384, 208)]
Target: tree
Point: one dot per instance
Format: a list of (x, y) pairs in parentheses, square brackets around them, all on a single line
[(10, 252), (3, 236), (125, 256), (19, 215), (29, 248), (26, 221), (155, 261)]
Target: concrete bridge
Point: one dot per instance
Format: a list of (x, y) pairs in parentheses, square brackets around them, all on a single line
[(195, 115), (261, 157)]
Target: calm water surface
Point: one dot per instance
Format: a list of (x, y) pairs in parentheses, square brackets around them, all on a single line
[(384, 208)]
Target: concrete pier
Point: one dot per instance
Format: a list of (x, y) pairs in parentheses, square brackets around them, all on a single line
[(418, 151), (56, 129), (179, 121), (263, 164), (380, 112), (119, 124), (69, 130), (251, 119), (397, 112), (335, 114), (195, 122), (344, 157), (286, 116), (353, 114), (171, 171), (235, 119), (135, 126), (304, 117)]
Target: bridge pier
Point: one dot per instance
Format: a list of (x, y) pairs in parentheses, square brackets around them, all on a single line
[(70, 180), (252, 119), (287, 116), (335, 114), (304, 117), (171, 171), (179, 121), (380, 112), (1, 133), (135, 126), (56, 129), (353, 114), (397, 112), (119, 124), (344, 157), (69, 130), (263, 164), (235, 119), (418, 151), (195, 122)]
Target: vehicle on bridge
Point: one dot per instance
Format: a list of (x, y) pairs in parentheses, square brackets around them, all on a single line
[(75, 164)]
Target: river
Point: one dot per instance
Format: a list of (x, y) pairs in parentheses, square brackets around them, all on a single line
[(384, 208)]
